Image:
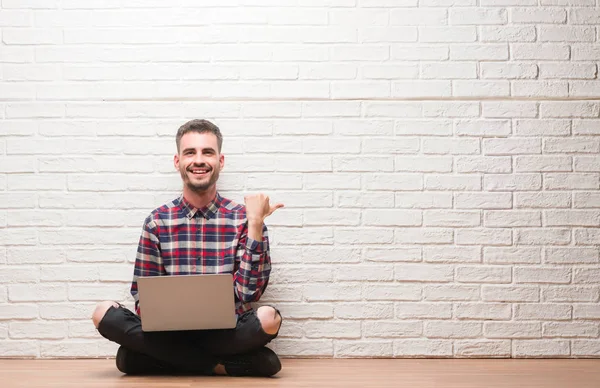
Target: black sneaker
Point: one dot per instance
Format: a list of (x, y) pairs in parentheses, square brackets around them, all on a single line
[(261, 363), (134, 363)]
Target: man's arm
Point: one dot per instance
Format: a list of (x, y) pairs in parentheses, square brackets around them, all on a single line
[(148, 261), (252, 277)]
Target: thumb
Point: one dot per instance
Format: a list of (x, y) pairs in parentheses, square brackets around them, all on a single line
[(275, 207)]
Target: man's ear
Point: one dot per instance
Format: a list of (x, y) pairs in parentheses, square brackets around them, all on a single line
[(222, 161), (176, 161)]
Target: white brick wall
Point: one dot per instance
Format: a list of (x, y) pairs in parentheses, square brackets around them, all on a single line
[(438, 159)]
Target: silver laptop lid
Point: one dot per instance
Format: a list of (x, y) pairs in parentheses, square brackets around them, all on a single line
[(187, 302)]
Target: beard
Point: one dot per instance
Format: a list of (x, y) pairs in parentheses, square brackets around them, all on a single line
[(199, 185)]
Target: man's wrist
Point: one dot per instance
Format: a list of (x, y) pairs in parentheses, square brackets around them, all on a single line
[(255, 223), (255, 228)]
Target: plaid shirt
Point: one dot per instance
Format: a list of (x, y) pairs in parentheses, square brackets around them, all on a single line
[(178, 239)]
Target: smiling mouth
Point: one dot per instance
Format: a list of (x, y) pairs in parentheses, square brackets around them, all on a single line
[(199, 171)]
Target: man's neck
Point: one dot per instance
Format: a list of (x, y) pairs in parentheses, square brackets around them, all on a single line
[(200, 199)]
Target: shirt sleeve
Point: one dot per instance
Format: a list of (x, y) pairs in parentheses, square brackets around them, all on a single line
[(254, 261), (148, 261)]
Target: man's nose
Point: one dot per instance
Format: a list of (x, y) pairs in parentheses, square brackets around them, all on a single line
[(198, 158)]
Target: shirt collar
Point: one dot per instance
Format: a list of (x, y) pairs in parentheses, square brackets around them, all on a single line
[(208, 211)]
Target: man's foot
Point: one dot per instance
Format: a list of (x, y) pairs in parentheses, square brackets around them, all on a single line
[(261, 363), (134, 363)]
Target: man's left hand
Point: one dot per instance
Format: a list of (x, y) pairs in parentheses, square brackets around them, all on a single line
[(258, 208)]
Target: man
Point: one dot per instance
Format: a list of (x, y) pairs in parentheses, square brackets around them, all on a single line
[(201, 233)]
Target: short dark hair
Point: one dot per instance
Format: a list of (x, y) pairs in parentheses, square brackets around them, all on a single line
[(199, 126)]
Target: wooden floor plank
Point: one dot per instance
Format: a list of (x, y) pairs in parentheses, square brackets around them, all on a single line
[(397, 373)]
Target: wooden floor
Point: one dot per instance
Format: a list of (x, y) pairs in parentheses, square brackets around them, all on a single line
[(396, 373)]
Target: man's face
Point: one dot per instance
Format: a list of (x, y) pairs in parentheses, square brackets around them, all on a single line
[(199, 161)]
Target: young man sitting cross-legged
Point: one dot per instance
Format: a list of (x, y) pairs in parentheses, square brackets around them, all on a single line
[(201, 232)]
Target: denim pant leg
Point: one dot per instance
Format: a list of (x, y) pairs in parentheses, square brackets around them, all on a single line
[(122, 326), (248, 335)]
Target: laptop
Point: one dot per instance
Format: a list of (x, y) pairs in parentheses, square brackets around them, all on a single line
[(187, 302)]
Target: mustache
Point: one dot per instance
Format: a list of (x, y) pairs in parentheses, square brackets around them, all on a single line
[(201, 165)]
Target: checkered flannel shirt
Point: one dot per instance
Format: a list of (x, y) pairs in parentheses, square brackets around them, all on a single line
[(178, 239)]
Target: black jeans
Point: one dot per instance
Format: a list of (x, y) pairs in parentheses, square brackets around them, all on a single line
[(196, 351)]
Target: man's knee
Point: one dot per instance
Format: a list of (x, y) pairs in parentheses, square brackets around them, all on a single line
[(270, 319), (101, 309)]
